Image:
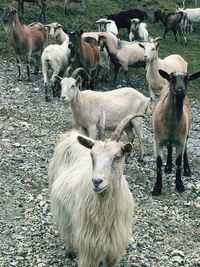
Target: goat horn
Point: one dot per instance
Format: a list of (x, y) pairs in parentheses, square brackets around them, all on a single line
[(77, 72), (157, 39), (122, 125), (79, 26), (69, 72)]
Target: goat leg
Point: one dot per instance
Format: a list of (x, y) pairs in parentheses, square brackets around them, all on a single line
[(179, 184), (158, 186), (186, 167), (168, 167)]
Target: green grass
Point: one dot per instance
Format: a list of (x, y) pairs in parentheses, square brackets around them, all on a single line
[(99, 8)]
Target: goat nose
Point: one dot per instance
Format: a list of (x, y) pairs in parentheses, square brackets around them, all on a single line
[(63, 97), (96, 181)]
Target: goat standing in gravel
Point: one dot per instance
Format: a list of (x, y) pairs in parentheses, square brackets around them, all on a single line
[(25, 39), (171, 125)]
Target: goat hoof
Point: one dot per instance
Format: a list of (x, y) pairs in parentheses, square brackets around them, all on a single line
[(156, 191), (180, 187), (47, 99), (168, 170), (187, 172)]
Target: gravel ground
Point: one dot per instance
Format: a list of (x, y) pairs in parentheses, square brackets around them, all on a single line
[(166, 228)]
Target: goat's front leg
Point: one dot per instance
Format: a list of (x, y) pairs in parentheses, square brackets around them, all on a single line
[(159, 163), (179, 155), (116, 70), (19, 65), (28, 60), (168, 167)]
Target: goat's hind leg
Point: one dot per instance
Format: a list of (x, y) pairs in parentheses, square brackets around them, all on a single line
[(179, 184), (19, 65), (168, 167), (186, 167)]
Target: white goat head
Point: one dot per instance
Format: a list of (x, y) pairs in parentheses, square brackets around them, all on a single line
[(151, 49), (69, 88), (102, 24), (108, 158), (52, 27)]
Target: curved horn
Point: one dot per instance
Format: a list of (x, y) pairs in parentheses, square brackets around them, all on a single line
[(69, 72), (157, 39), (79, 26), (79, 71), (122, 125)]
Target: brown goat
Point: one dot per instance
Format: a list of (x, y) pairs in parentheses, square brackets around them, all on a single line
[(171, 125), (25, 39), (83, 53), (40, 3)]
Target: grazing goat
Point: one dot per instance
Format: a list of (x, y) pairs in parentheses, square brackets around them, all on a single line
[(56, 31), (106, 25), (67, 2), (91, 201), (40, 3), (56, 58), (171, 63), (122, 19), (84, 54), (171, 125), (87, 107), (122, 54), (175, 22), (193, 15), (138, 31), (25, 39)]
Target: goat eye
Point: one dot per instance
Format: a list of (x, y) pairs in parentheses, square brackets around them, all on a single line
[(117, 158)]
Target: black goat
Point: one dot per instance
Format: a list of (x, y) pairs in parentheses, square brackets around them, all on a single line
[(122, 19), (175, 22)]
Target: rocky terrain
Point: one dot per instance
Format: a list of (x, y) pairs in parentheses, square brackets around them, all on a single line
[(166, 229)]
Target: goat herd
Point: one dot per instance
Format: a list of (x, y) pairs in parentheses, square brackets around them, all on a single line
[(91, 201)]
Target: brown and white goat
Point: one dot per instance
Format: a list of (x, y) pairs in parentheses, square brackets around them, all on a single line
[(171, 125), (83, 53), (25, 39)]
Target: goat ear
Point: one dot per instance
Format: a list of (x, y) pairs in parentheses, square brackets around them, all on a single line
[(164, 74), (127, 148), (141, 45), (80, 32), (85, 142), (194, 76)]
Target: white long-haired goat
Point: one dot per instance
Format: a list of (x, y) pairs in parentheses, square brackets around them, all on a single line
[(138, 31), (90, 197)]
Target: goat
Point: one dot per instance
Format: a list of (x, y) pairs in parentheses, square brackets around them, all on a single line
[(40, 3), (56, 58), (56, 31), (122, 54), (175, 22), (171, 125), (87, 107), (25, 39), (122, 19), (105, 25), (67, 2), (193, 15), (171, 63), (84, 54), (138, 31), (91, 202)]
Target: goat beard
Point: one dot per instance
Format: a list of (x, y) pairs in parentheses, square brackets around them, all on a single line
[(66, 105), (6, 28)]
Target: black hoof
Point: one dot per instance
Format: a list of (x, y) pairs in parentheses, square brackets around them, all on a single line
[(168, 170), (187, 172), (180, 187), (156, 191)]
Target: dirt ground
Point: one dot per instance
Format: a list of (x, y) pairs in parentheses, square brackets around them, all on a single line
[(166, 229)]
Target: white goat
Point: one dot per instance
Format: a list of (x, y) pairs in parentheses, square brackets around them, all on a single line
[(56, 58), (87, 107), (107, 25), (122, 54), (90, 198), (193, 15), (172, 63), (138, 31), (56, 32)]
